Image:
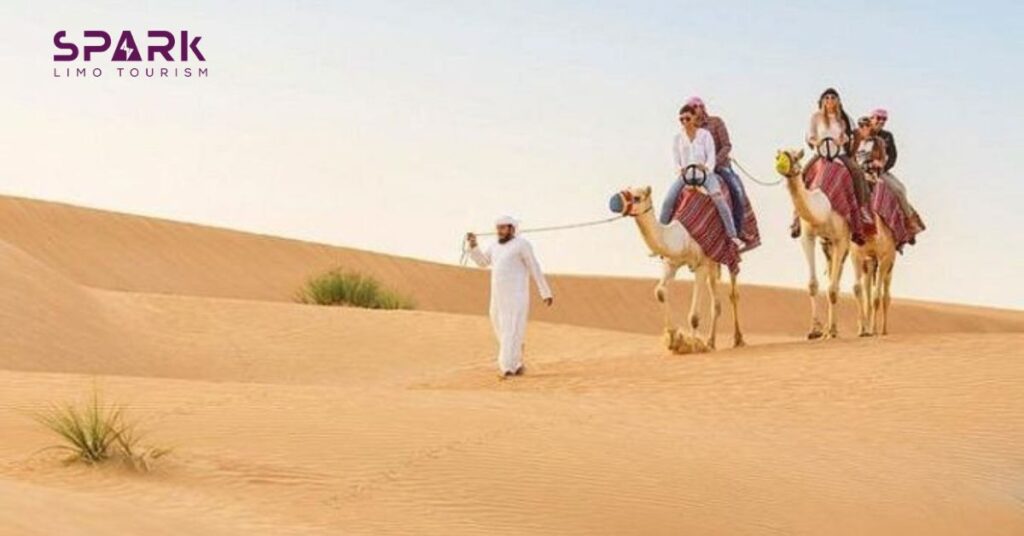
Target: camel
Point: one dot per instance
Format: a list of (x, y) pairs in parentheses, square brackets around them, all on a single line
[(817, 221), (873, 263), (677, 248)]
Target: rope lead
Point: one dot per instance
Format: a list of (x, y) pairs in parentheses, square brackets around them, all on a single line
[(751, 177), (465, 251)]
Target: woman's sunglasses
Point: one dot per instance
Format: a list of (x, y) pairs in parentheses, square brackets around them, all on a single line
[(686, 118)]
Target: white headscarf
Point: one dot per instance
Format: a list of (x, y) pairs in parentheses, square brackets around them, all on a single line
[(507, 220)]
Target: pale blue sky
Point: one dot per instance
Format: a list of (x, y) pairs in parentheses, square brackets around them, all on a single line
[(396, 126)]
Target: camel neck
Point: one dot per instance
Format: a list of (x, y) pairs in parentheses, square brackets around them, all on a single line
[(652, 232), (798, 192)]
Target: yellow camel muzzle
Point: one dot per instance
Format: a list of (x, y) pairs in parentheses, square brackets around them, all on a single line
[(783, 164)]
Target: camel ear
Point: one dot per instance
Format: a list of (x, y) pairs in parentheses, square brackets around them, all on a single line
[(647, 191), (800, 155)]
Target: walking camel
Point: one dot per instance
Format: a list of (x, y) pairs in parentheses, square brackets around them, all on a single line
[(817, 221), (677, 248), (873, 264)]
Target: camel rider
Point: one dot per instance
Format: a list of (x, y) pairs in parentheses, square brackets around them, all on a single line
[(512, 265), (694, 146), (879, 117), (830, 122), (869, 150), (723, 163)]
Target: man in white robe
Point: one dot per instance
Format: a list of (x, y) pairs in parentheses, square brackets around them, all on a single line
[(512, 264)]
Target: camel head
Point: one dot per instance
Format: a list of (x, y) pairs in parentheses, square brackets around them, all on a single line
[(632, 201), (787, 162)]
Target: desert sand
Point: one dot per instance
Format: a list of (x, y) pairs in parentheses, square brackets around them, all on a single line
[(297, 419)]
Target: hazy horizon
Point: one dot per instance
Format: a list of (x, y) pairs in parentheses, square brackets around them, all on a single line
[(397, 127)]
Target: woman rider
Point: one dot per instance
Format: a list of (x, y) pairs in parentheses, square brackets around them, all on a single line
[(831, 122), (695, 146)]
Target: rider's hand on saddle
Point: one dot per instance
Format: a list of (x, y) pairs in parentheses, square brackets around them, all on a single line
[(471, 239)]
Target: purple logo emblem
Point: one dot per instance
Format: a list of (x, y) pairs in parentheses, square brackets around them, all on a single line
[(161, 42), (158, 46)]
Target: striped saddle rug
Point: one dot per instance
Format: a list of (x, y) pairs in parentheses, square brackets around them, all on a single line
[(887, 206), (697, 212), (835, 181)]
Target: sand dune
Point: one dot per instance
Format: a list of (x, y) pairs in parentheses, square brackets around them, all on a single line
[(295, 419), (129, 253)]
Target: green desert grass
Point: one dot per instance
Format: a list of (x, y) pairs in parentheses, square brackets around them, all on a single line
[(94, 433), (339, 287)]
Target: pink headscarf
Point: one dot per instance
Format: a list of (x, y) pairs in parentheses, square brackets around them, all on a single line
[(695, 101), (880, 113)]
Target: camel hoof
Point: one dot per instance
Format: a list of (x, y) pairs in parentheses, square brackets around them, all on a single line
[(681, 343), (815, 334), (865, 334), (738, 342)]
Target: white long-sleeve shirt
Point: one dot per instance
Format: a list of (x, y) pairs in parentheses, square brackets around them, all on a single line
[(700, 150), (818, 131)]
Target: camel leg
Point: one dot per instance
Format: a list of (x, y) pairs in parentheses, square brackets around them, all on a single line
[(661, 293), (734, 298), (694, 317), (884, 284), (807, 241), (860, 286), (870, 298), (712, 278), (840, 248)]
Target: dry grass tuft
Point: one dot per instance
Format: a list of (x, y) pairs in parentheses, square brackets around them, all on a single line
[(95, 433), (338, 287)]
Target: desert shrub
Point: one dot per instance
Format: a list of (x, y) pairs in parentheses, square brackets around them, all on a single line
[(338, 287), (94, 432)]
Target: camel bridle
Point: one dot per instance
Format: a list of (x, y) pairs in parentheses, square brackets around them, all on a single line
[(792, 163), (629, 201)]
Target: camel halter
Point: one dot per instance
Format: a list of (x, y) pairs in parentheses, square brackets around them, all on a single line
[(628, 202)]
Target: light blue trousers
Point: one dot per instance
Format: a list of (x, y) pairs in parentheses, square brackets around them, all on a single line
[(714, 187), (736, 192)]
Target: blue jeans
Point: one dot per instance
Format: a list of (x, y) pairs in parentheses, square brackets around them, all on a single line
[(714, 187), (736, 192)]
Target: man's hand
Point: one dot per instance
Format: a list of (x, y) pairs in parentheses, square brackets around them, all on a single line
[(549, 301), (471, 240)]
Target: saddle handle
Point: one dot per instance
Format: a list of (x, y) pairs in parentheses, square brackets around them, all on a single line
[(694, 176)]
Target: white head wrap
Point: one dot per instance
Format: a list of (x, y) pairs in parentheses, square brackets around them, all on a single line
[(507, 220)]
